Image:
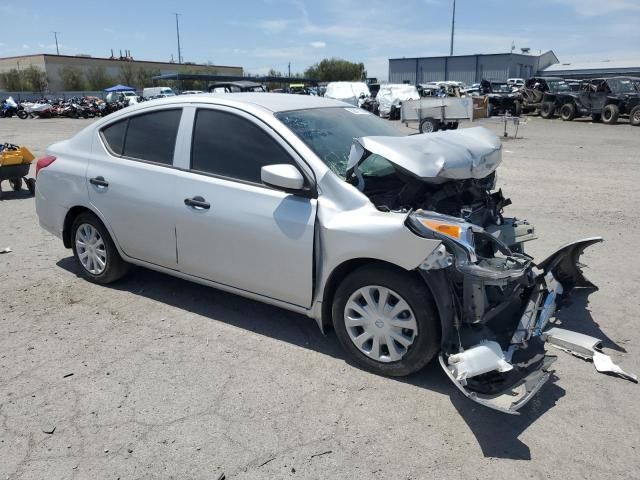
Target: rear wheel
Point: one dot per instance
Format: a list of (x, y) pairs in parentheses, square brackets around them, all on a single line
[(22, 114), (94, 251), (547, 110), (568, 112), (634, 116), (429, 125), (610, 114), (386, 321), (31, 185)]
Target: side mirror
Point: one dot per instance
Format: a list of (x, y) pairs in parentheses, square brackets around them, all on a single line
[(283, 176)]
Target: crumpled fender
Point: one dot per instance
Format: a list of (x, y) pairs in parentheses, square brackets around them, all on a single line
[(564, 264)]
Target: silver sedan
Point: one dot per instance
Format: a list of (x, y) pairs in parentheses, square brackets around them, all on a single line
[(397, 242)]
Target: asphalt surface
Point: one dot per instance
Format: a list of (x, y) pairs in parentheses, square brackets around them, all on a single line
[(155, 377)]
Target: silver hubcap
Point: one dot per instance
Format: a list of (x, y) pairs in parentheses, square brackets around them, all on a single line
[(380, 323), (427, 127), (91, 249), (636, 116)]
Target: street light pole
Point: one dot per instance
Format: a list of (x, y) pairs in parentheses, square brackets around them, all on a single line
[(289, 69), (178, 33), (55, 34), (453, 27)]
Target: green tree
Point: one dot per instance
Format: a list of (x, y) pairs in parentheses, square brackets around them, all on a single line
[(336, 69), (144, 77), (127, 75), (11, 80), (72, 78), (98, 78), (34, 79)]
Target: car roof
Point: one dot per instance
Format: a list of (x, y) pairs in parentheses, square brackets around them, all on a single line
[(273, 102)]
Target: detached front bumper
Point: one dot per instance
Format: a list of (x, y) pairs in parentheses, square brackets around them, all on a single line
[(496, 354)]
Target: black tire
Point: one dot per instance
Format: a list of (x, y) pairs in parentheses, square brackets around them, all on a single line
[(22, 114), (115, 268), (16, 183), (610, 114), (429, 125), (634, 116), (547, 110), (490, 110), (568, 112), (415, 292), (453, 126), (31, 185)]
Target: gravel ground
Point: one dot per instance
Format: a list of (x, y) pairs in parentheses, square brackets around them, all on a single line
[(155, 377)]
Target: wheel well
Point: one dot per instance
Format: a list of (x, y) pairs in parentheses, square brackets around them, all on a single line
[(72, 214), (337, 275)]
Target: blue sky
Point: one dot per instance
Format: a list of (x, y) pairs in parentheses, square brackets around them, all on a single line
[(263, 34)]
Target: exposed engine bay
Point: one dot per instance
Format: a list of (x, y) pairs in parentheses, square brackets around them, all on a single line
[(494, 300)]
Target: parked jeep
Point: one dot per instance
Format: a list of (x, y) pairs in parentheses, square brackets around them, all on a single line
[(501, 97), (605, 99), (544, 94)]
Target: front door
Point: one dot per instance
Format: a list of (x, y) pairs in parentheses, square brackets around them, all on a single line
[(233, 229), (131, 182)]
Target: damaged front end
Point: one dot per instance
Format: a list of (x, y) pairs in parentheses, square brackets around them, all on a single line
[(495, 301), (502, 302)]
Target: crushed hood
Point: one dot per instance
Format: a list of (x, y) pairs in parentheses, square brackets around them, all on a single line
[(434, 157)]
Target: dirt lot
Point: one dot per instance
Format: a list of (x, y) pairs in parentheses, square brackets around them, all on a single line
[(156, 377)]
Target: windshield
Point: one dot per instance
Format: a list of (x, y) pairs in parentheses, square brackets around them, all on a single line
[(558, 86), (619, 85), (329, 132), (501, 88)]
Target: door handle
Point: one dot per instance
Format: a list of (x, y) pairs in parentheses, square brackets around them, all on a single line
[(99, 181), (197, 203)]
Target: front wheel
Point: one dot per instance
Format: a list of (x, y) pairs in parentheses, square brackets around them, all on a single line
[(634, 116), (386, 320), (23, 115), (94, 251), (16, 184), (568, 112)]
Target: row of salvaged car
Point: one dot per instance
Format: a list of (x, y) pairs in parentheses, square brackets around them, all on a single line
[(603, 99)]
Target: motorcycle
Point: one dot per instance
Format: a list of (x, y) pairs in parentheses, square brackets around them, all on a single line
[(11, 108)]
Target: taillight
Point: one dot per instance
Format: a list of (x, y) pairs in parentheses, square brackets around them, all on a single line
[(44, 162)]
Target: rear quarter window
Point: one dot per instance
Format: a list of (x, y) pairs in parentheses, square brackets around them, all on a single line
[(149, 136)]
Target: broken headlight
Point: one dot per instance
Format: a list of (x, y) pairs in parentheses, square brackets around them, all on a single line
[(455, 234)]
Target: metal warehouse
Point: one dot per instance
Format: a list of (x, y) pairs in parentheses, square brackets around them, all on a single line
[(469, 68), (606, 68)]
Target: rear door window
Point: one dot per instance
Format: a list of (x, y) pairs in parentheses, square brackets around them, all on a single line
[(150, 136), (232, 146)]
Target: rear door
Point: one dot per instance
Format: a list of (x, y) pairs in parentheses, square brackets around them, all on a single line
[(131, 183), (244, 234)]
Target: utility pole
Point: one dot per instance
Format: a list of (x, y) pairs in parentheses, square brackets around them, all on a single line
[(178, 32), (453, 27), (289, 69), (55, 34)]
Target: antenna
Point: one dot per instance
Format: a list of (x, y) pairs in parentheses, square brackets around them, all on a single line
[(178, 33), (453, 27), (55, 34)]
